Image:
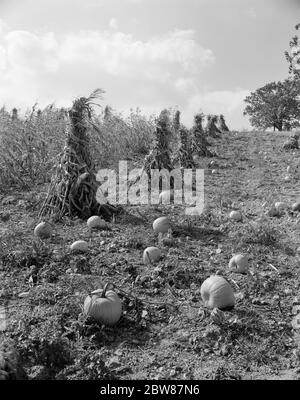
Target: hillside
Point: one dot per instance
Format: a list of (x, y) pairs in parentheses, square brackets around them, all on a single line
[(165, 332)]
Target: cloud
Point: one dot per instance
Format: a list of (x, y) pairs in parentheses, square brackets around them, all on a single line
[(49, 67)]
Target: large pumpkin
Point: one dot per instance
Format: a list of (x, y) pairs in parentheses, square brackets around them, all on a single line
[(79, 246), (43, 230), (235, 216), (161, 225), (216, 292), (151, 255), (95, 222), (239, 263), (104, 306)]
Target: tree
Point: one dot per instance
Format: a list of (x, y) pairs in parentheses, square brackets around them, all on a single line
[(274, 105), (293, 57)]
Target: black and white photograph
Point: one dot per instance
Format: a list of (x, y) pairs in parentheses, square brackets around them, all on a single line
[(149, 194)]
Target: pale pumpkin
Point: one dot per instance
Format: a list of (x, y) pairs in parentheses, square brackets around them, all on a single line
[(296, 206), (239, 263), (287, 178), (235, 216), (280, 206), (104, 306), (43, 230), (216, 292), (151, 255), (79, 246), (162, 225), (166, 197), (95, 222)]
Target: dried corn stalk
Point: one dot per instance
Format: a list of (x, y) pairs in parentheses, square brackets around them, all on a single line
[(211, 127), (184, 153), (73, 187), (222, 124), (199, 141)]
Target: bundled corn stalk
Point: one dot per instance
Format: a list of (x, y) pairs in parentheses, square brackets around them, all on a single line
[(199, 141), (184, 154), (292, 142), (73, 186), (160, 155), (211, 127), (222, 124)]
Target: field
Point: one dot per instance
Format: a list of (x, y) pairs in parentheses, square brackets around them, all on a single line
[(165, 332)]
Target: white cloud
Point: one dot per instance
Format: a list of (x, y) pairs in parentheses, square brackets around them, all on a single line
[(47, 67)]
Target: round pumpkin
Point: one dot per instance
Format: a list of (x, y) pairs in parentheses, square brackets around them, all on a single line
[(95, 222), (43, 230), (280, 206), (235, 216), (79, 246), (216, 292), (104, 306), (162, 225), (296, 206), (239, 263), (166, 197), (287, 178), (151, 255)]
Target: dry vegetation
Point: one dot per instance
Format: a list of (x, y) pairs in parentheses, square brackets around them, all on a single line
[(164, 332)]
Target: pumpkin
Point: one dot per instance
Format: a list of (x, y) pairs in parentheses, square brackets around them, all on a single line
[(166, 197), (79, 246), (162, 225), (151, 255), (104, 306), (287, 178), (235, 215), (43, 230), (95, 222), (296, 206), (280, 206), (216, 292), (239, 263)]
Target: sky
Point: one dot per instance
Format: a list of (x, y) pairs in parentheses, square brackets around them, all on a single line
[(194, 55)]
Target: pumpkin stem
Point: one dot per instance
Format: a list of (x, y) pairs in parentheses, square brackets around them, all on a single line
[(105, 289)]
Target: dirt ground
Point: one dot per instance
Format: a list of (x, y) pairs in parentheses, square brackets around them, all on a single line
[(165, 331)]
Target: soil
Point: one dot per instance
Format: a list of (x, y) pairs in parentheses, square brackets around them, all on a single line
[(165, 331)]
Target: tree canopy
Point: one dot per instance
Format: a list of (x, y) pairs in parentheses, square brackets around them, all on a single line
[(275, 105)]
